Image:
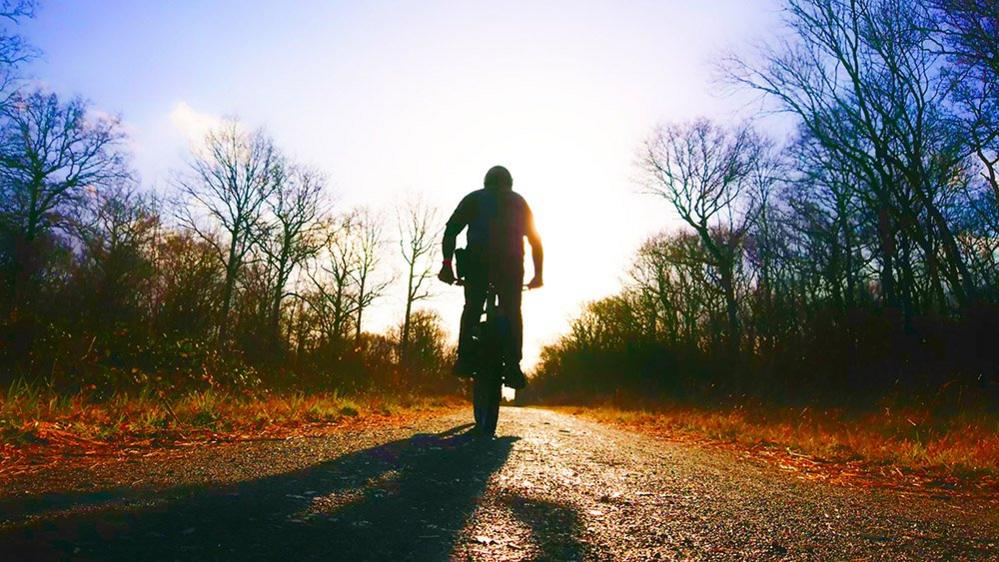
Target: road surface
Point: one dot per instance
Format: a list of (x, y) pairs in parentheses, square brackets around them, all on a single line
[(551, 487)]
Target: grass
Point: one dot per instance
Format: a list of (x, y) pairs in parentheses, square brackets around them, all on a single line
[(35, 422), (904, 442)]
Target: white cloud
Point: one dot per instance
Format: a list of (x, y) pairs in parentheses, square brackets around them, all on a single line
[(193, 124)]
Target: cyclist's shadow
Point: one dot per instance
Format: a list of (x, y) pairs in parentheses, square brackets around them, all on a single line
[(406, 499)]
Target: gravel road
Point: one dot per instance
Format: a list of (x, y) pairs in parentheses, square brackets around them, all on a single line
[(551, 487)]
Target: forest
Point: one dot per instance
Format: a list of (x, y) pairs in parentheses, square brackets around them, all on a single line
[(243, 274), (852, 262)]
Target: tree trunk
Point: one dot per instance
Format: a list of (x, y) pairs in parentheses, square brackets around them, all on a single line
[(360, 312), (227, 291), (887, 240), (731, 307), (404, 344), (277, 297)]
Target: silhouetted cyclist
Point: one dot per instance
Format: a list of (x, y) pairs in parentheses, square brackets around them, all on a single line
[(498, 220)]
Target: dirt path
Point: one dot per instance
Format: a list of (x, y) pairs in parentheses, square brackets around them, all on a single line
[(552, 487)]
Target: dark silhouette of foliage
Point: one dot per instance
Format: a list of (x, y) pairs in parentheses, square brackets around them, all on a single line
[(859, 264)]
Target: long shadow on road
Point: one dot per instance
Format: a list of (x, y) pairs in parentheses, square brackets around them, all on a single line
[(406, 499)]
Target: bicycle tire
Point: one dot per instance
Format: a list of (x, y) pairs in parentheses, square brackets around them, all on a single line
[(487, 389), (486, 396)]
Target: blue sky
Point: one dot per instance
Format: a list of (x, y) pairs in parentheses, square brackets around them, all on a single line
[(393, 99)]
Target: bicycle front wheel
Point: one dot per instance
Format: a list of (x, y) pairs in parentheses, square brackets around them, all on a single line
[(486, 395)]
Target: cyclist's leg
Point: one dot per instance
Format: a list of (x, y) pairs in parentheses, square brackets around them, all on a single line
[(510, 293), (475, 298), (510, 303)]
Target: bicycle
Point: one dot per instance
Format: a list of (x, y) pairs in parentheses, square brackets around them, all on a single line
[(490, 342)]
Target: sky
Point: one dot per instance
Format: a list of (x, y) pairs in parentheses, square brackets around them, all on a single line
[(396, 100)]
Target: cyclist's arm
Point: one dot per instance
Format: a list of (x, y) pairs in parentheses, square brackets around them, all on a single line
[(450, 241), (455, 224), (537, 250)]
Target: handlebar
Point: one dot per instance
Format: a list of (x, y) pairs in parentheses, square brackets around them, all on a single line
[(461, 283)]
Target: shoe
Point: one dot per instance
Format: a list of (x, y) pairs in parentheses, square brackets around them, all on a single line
[(514, 377), (463, 369), (483, 437)]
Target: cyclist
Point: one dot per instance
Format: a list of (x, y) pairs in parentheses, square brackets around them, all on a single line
[(498, 220)]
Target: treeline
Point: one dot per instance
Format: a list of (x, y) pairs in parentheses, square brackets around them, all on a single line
[(242, 274), (852, 263)]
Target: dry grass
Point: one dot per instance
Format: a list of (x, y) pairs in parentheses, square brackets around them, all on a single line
[(38, 427), (909, 444)]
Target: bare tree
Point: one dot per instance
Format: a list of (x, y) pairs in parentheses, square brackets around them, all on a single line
[(51, 154), (332, 298), (967, 31), (293, 233), (706, 172), (859, 77), (230, 178), (418, 232), (369, 239), (671, 289), (117, 231), (14, 50), (970, 31)]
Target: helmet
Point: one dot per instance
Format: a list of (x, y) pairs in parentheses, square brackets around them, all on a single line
[(498, 177)]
